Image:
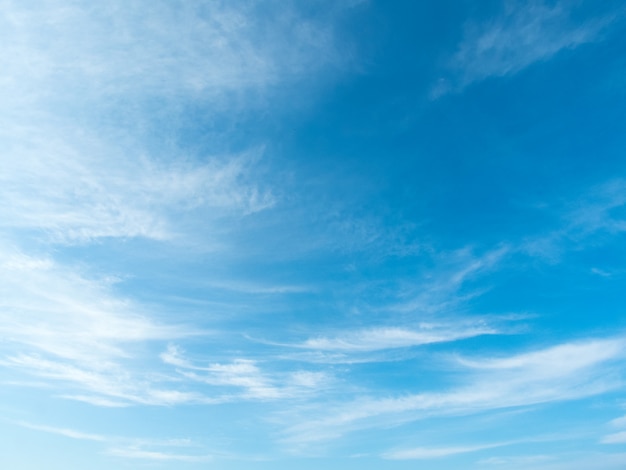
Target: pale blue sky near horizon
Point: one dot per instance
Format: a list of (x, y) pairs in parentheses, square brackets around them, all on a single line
[(292, 234)]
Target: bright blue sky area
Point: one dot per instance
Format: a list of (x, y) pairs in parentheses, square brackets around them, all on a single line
[(338, 234)]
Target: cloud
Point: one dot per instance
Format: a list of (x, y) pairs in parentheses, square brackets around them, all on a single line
[(449, 285), (86, 189), (253, 288), (615, 438), (554, 461), (109, 385), (126, 48), (131, 448), (619, 422), (436, 300), (525, 460), (374, 339), (63, 432), (134, 453), (564, 372), (94, 98), (60, 312), (559, 360), (424, 453), (525, 33), (594, 214), (75, 333), (247, 376)]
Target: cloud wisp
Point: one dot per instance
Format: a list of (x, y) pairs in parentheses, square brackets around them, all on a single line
[(525, 33), (595, 213), (79, 84), (132, 448), (427, 453), (243, 379), (121, 48), (83, 191), (71, 433), (564, 372), (376, 339), (75, 332)]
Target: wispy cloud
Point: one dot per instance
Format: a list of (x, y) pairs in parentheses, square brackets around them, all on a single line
[(558, 461), (76, 333), (142, 454), (63, 432), (524, 33), (79, 84), (131, 448), (616, 437), (514, 461), (595, 213), (59, 311), (122, 48), (563, 372), (109, 385), (85, 189), (374, 339), (436, 299), (443, 289), (248, 380), (424, 453)]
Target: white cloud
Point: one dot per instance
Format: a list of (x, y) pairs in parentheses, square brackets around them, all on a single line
[(436, 300), (82, 82), (564, 372), (619, 422), (513, 461), (559, 461), (54, 310), (247, 376), (126, 47), (142, 454), (107, 385), (63, 432), (615, 438), (447, 286), (526, 32), (373, 339), (424, 453), (132, 448), (559, 360), (594, 213), (85, 189), (76, 334)]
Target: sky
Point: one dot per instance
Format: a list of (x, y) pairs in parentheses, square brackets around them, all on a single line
[(299, 234)]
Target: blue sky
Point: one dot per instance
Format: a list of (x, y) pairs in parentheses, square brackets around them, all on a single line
[(289, 234)]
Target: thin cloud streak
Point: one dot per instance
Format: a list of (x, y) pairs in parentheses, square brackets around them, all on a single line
[(525, 33), (426, 453), (521, 380), (130, 448), (67, 171), (247, 376), (79, 336), (133, 453), (615, 438), (84, 190), (54, 310), (375, 339), (595, 213), (63, 432), (126, 48)]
